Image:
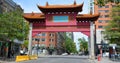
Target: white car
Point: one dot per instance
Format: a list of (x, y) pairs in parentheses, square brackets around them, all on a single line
[(65, 54), (106, 54)]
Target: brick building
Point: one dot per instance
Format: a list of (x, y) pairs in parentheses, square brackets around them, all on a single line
[(102, 21), (45, 39), (100, 24)]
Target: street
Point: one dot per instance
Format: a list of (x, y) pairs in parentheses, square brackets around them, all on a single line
[(60, 59)]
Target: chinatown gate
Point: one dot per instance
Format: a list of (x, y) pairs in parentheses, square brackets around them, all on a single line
[(62, 18)]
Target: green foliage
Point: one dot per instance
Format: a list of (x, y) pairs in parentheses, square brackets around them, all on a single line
[(103, 2), (25, 43), (83, 44), (112, 31), (13, 26), (70, 45), (100, 2)]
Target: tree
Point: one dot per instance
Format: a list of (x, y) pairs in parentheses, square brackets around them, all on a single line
[(13, 26), (70, 45), (103, 2), (25, 43), (112, 31), (83, 45)]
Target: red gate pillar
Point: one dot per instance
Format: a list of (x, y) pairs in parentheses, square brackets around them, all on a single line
[(30, 40)]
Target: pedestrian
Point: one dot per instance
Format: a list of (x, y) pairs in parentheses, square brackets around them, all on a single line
[(12, 53), (21, 52)]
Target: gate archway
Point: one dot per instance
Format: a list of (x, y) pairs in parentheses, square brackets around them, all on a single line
[(62, 18)]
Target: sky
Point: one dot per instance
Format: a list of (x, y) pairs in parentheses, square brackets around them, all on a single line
[(31, 6), (78, 35)]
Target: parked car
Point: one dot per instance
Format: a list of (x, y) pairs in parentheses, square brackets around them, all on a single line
[(65, 54), (106, 54), (81, 53)]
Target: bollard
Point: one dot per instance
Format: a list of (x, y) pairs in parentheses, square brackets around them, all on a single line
[(99, 58)]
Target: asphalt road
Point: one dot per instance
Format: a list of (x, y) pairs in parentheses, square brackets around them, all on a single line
[(60, 59)]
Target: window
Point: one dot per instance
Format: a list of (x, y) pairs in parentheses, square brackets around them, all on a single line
[(100, 21), (100, 16), (43, 45), (43, 34), (60, 18), (106, 11), (113, 5), (36, 45), (51, 40), (33, 39), (51, 45), (100, 10), (106, 6), (100, 26), (99, 6), (106, 21), (106, 16), (51, 35), (91, 8), (91, 4), (38, 34), (37, 39), (43, 39)]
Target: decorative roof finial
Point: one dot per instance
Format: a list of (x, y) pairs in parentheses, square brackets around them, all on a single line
[(74, 2), (47, 4)]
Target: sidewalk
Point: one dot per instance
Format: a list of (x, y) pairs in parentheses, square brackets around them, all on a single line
[(104, 60), (6, 60)]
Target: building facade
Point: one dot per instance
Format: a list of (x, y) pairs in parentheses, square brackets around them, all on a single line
[(45, 39), (60, 42), (50, 40), (103, 20), (8, 6), (91, 6)]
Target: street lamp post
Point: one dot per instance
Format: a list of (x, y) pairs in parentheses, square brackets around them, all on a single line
[(38, 45), (37, 39), (101, 43)]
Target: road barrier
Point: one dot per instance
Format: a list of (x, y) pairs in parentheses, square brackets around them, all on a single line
[(32, 57), (22, 58), (26, 57)]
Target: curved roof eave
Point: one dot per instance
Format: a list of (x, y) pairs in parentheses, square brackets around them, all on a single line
[(88, 17), (77, 8)]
